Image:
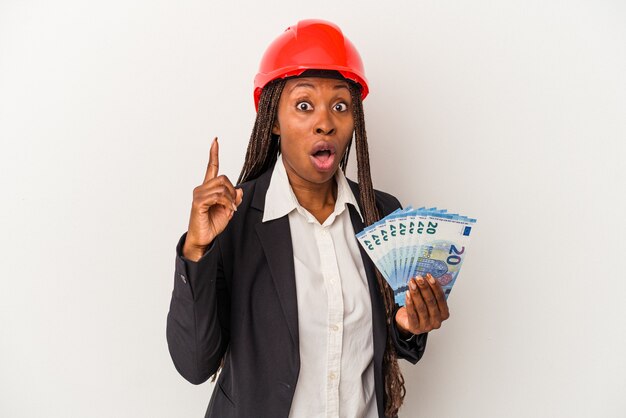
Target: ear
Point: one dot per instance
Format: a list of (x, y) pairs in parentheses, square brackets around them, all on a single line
[(276, 128)]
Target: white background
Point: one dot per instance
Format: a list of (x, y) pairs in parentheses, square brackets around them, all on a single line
[(510, 111)]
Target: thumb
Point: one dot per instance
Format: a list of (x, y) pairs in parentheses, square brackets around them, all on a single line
[(239, 196)]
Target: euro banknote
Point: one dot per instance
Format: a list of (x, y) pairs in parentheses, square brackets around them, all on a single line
[(413, 242)]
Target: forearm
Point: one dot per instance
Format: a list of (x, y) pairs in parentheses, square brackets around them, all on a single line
[(197, 329)]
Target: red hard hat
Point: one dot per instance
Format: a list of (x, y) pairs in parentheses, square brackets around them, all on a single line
[(310, 45)]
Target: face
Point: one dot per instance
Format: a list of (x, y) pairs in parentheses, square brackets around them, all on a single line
[(315, 125)]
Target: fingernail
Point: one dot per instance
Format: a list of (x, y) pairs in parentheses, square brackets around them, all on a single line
[(408, 297), (420, 280), (431, 279), (412, 284)]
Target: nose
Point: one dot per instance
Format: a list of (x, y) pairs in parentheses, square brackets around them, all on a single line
[(324, 124)]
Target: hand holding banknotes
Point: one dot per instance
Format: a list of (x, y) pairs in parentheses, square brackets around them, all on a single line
[(425, 306), (420, 253), (214, 203)]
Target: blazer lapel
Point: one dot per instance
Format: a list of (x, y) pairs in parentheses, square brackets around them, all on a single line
[(275, 238), (379, 323)]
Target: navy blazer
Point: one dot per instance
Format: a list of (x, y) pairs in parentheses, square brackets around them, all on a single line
[(238, 302)]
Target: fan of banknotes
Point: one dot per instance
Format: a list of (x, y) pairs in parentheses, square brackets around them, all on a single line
[(411, 242)]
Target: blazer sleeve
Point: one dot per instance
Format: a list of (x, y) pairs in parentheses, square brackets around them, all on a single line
[(197, 322), (411, 350)]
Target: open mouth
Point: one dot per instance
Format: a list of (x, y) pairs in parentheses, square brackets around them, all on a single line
[(323, 156)]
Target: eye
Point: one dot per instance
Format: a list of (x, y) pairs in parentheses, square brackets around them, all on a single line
[(340, 107), (304, 106)]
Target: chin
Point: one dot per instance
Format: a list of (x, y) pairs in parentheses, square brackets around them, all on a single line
[(311, 175)]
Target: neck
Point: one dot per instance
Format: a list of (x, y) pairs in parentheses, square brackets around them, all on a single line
[(314, 197)]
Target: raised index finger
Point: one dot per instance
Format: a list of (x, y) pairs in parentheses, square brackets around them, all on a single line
[(214, 162)]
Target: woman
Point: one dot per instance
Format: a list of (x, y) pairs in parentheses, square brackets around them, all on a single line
[(271, 284)]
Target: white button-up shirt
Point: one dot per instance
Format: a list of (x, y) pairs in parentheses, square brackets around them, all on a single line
[(334, 308)]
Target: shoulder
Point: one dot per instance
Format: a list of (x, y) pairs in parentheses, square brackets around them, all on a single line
[(386, 202), (254, 190)]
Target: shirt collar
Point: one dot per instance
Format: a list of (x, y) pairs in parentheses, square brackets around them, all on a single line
[(280, 199)]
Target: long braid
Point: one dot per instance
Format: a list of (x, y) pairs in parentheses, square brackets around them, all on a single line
[(262, 153), (263, 147), (394, 381)]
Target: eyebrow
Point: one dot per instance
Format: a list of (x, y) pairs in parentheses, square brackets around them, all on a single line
[(309, 85)]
